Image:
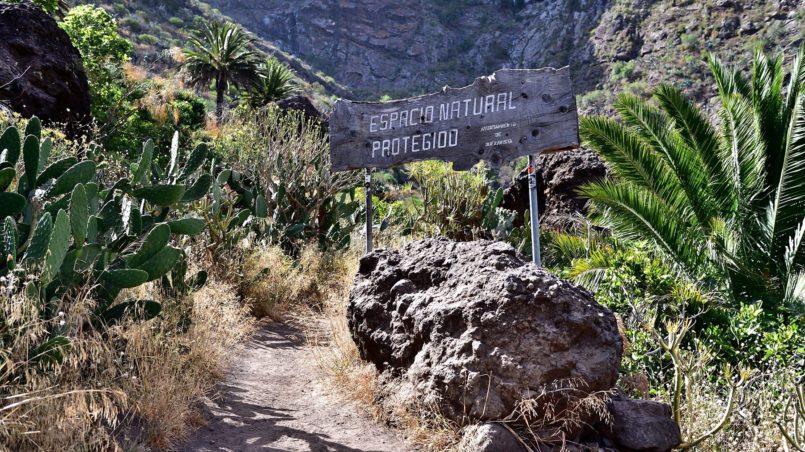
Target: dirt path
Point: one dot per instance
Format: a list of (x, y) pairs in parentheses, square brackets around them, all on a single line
[(274, 400)]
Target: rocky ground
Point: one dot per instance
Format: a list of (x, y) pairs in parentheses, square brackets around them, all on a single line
[(274, 399)]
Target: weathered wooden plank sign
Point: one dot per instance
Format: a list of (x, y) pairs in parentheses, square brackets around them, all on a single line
[(511, 113)]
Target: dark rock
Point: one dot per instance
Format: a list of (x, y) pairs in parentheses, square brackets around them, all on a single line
[(304, 104), (475, 328), (41, 73), (558, 177), (749, 28), (642, 425), (489, 438), (729, 27)]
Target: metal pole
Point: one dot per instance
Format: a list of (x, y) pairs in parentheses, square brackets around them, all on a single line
[(368, 190), (534, 210)]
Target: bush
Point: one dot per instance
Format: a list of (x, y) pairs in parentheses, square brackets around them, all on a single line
[(146, 38), (88, 348), (289, 185)]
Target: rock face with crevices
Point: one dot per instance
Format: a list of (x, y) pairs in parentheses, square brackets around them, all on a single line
[(41, 72), (475, 328), (559, 176)]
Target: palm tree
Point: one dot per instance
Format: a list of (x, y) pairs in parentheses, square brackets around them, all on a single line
[(276, 83), (725, 202), (222, 54)]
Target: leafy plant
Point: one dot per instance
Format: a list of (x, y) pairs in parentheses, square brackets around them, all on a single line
[(221, 55), (286, 182), (276, 83), (727, 204), (62, 231), (457, 204)]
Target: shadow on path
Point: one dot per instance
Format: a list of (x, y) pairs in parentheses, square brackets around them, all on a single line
[(273, 402)]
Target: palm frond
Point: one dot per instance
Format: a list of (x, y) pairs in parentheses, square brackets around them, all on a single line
[(729, 81), (789, 195), (656, 129), (768, 102), (590, 271), (630, 157), (794, 251), (277, 82), (743, 148), (794, 296), (699, 134), (634, 213), (795, 84)]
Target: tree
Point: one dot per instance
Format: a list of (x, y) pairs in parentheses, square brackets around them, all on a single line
[(56, 8), (94, 33), (221, 54), (276, 83), (725, 203), (103, 51)]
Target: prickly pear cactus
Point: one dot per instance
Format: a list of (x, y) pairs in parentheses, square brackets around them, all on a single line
[(59, 223)]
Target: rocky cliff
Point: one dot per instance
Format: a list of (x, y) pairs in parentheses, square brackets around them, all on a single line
[(377, 47), (380, 47)]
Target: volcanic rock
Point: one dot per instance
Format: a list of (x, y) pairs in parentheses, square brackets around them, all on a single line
[(489, 438), (304, 104), (642, 425), (475, 328), (559, 175), (41, 72)]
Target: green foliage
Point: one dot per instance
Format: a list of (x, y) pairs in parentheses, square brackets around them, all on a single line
[(622, 70), (56, 8), (456, 204), (276, 83), (69, 233), (283, 176), (221, 55), (737, 193), (94, 33)]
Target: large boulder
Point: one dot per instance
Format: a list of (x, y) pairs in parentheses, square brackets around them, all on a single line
[(559, 175), (475, 328), (41, 73)]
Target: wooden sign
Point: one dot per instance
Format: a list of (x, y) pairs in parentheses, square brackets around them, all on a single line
[(497, 118)]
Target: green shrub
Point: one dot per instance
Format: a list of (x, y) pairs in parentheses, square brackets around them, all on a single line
[(283, 176), (175, 21), (63, 231), (737, 193), (622, 70), (146, 38)]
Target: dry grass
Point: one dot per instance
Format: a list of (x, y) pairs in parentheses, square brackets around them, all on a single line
[(336, 354), (138, 379), (275, 284)]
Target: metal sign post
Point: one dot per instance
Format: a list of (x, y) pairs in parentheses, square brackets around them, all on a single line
[(533, 198), (368, 190)]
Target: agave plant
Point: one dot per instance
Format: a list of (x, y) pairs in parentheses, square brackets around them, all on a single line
[(723, 201), (222, 54)]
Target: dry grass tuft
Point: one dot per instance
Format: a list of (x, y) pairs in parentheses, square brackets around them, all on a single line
[(337, 355), (140, 378), (276, 284)]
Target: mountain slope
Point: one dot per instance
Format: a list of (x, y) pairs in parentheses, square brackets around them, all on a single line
[(370, 48)]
